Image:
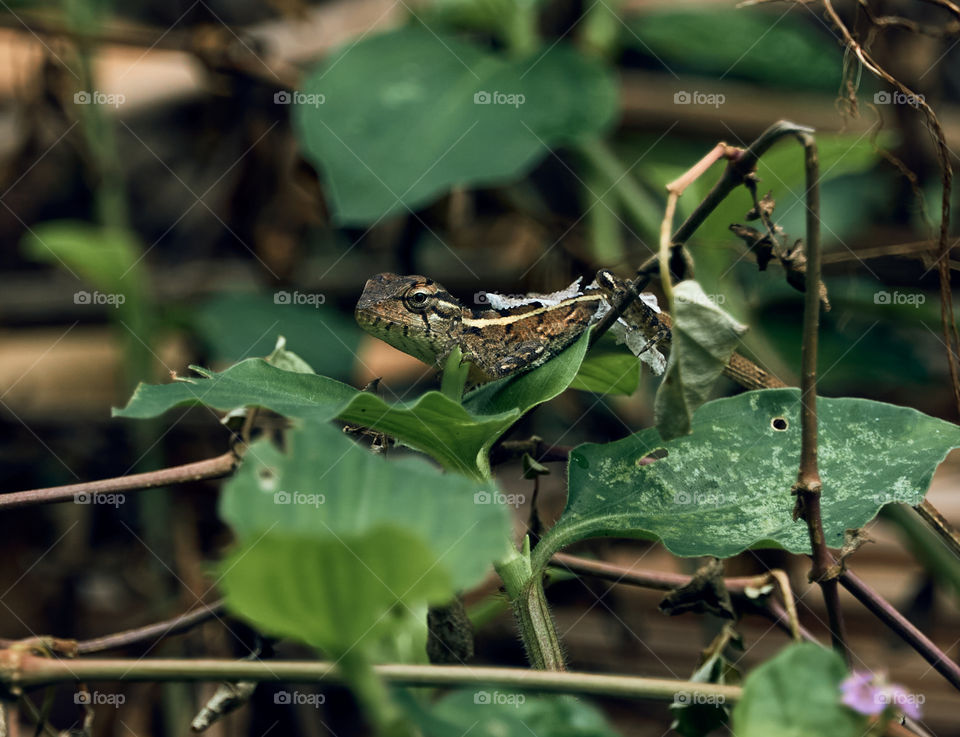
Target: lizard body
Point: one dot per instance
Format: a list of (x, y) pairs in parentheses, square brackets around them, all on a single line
[(418, 316)]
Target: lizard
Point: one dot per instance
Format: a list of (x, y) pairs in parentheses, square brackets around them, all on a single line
[(420, 317)]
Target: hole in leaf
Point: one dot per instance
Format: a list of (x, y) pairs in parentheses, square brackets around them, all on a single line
[(779, 423), (653, 455)]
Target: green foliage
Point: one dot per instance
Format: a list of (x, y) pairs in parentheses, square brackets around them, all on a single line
[(488, 712), (609, 372), (727, 486), (241, 325), (703, 339), (409, 114), (797, 694), (776, 49), (334, 538), (458, 436)]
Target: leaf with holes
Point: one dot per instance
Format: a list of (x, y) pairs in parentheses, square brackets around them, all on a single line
[(726, 487)]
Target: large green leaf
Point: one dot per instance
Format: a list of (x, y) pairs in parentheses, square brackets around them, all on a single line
[(408, 114), (704, 338), (336, 543), (458, 436), (328, 485), (490, 712), (726, 487), (797, 694), (335, 592)]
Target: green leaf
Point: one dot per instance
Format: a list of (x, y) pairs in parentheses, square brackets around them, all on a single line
[(237, 326), (797, 694), (704, 338), (407, 115), (327, 485), (333, 592), (281, 358), (726, 487), (489, 712), (608, 373), (740, 43), (250, 383), (106, 258), (458, 436)]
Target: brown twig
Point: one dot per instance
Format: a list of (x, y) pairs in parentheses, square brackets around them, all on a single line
[(147, 633), (886, 613), (211, 468), (808, 487)]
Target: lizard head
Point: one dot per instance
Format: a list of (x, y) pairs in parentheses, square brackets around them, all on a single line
[(411, 313)]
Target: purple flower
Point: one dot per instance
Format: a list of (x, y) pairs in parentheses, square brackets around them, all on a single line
[(872, 695), (860, 694)]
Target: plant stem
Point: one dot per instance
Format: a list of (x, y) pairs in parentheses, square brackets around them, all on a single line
[(212, 468), (18, 669), (808, 487), (529, 603), (902, 626)]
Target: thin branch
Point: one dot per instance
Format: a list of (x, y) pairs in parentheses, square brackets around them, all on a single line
[(22, 670), (152, 632), (212, 468), (902, 627), (808, 487)]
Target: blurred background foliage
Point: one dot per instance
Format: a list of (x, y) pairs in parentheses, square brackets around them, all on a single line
[(236, 171)]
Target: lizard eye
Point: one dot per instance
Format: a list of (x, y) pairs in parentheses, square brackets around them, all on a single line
[(419, 298)]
